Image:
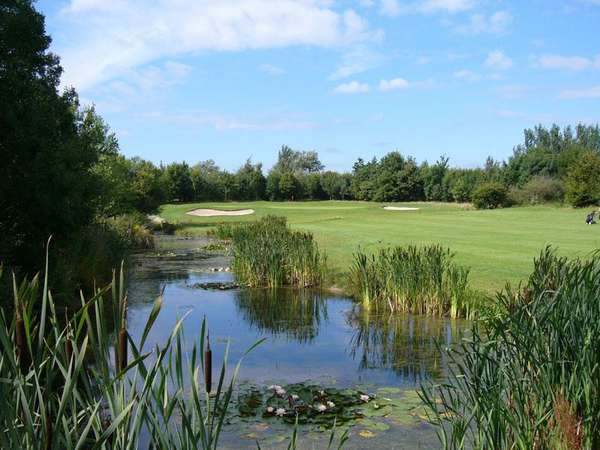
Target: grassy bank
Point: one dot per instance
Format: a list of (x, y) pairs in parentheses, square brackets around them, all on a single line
[(497, 245)]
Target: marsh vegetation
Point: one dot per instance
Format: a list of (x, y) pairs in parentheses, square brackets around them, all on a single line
[(412, 279), (267, 253), (529, 376)]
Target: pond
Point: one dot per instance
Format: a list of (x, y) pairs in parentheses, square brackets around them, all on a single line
[(311, 337)]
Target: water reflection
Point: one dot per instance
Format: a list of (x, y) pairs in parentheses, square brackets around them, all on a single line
[(283, 313), (404, 344)]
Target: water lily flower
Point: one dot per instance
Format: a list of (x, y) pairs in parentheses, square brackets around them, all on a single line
[(270, 409), (320, 407), (280, 391), (364, 397), (330, 405), (295, 397), (280, 412)]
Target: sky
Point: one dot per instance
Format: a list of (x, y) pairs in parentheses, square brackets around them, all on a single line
[(234, 79)]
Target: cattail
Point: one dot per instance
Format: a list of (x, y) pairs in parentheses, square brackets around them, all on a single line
[(21, 341), (122, 350), (68, 349), (208, 365), (49, 432)]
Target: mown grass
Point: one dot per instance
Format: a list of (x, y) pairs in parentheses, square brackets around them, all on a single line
[(529, 376), (498, 245)]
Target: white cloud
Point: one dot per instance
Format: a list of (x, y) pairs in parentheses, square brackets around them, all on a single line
[(395, 7), (584, 93), (393, 84), (358, 59), (107, 38), (574, 63), (496, 23), (353, 87), (467, 75), (271, 69), (497, 60)]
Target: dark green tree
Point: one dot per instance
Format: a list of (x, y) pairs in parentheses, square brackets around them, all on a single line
[(46, 183), (583, 182)]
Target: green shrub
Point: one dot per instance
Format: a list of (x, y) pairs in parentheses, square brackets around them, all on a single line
[(538, 190), (490, 196), (529, 377)]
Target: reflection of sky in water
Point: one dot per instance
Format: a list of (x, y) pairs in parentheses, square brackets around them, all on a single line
[(316, 339), (308, 337)]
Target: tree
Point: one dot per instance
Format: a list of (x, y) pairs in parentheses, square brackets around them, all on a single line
[(251, 181), (397, 179), (289, 160), (148, 191), (273, 179), (46, 183), (583, 183), (332, 183), (178, 182), (363, 179), (434, 185), (289, 186)]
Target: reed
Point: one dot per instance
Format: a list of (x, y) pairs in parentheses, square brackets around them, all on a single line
[(61, 389), (267, 253), (419, 280), (529, 377)]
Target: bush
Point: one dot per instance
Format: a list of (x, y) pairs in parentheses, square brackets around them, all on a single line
[(538, 190), (490, 196)]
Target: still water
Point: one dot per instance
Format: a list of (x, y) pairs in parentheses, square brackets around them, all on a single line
[(310, 336)]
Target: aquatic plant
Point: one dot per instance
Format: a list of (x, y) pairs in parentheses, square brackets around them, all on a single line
[(267, 253), (60, 388), (529, 377), (421, 280)]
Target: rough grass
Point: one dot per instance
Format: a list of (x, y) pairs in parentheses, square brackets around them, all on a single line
[(498, 245)]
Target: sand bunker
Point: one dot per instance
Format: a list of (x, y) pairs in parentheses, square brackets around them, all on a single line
[(216, 212), (399, 208)]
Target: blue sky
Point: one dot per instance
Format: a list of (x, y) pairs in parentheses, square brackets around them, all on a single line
[(231, 79)]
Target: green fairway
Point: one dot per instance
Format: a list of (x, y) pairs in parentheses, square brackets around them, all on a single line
[(498, 245)]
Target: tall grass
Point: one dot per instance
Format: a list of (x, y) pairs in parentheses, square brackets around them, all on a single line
[(59, 387), (530, 376), (420, 280), (267, 253)]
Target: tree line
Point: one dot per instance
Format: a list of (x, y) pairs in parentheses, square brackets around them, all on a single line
[(551, 165)]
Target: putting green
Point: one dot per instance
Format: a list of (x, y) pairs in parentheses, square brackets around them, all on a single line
[(498, 245)]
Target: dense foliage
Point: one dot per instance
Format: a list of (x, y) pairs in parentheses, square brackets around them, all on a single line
[(61, 173), (529, 377)]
